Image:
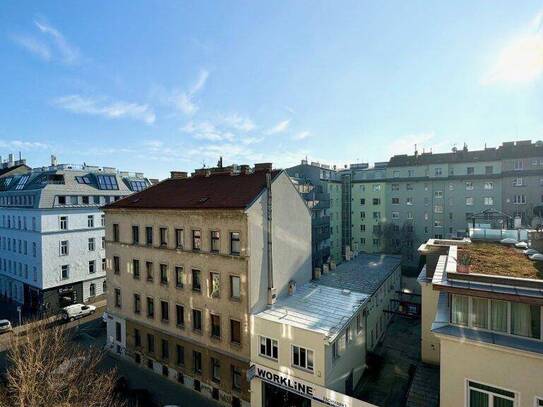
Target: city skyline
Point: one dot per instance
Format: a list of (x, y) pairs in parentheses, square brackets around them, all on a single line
[(251, 82)]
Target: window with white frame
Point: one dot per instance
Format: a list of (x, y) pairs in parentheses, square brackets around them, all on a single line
[(91, 244), (469, 185), (395, 187), (409, 201), (438, 208), (302, 358), (489, 185), (438, 172), (483, 395), (469, 200), (63, 222), (519, 199), (63, 247), (518, 182), (438, 194), (268, 347), (518, 165), (488, 200)]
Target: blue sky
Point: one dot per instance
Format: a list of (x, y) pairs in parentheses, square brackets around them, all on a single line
[(155, 86)]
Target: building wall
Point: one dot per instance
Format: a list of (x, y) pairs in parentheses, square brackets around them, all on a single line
[(430, 347), (291, 229), (491, 365), (363, 221), (334, 189)]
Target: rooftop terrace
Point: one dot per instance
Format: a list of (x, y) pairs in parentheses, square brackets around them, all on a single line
[(500, 260)]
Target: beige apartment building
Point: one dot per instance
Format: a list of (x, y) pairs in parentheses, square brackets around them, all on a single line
[(189, 259), (481, 322)]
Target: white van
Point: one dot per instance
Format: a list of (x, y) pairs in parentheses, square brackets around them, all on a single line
[(75, 311)]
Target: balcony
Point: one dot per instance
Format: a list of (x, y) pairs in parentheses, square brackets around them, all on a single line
[(320, 221)]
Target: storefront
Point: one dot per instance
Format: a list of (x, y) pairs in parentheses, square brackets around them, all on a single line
[(273, 388)]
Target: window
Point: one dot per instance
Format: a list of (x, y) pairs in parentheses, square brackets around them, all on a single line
[(489, 185), (214, 287), (85, 200), (519, 199), (165, 347), (479, 313), (179, 238), (438, 208), (115, 232), (136, 269), (488, 200), (498, 315), (164, 311), (469, 201), (150, 307), (236, 378), (149, 270), (63, 223), (215, 370), (65, 272), (482, 395), (179, 277), (180, 355), (91, 244), (409, 187), (90, 221), (268, 347), (180, 315), (376, 215), (197, 320), (396, 173), (489, 169), (149, 235), (376, 201), (92, 267), (409, 201), (410, 173), (135, 234), (150, 343), (64, 248), (103, 220), (302, 358), (163, 236), (395, 187), (395, 215), (215, 325), (164, 274), (196, 240), (118, 297), (137, 304), (235, 287), (518, 165), (359, 324), (460, 310), (234, 244), (103, 242), (362, 201), (108, 182), (137, 185), (438, 172), (215, 241), (92, 289), (137, 337), (62, 200), (376, 188), (395, 201), (526, 320), (196, 280), (235, 331), (518, 182), (196, 361), (362, 228), (362, 215), (116, 264), (471, 170), (469, 186)]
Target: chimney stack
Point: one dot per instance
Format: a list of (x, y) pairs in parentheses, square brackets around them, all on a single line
[(178, 174), (263, 167), (53, 160)]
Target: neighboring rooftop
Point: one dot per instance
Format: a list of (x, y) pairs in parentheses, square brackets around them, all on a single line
[(365, 273), (500, 260), (317, 308), (206, 189)]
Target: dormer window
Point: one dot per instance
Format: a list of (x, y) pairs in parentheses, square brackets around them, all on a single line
[(107, 182)]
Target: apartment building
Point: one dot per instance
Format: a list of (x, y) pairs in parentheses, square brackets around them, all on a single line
[(522, 177), (481, 322), (190, 259), (310, 347), (320, 186), (367, 209), (11, 167), (52, 250)]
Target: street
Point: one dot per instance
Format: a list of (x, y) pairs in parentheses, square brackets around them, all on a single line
[(90, 331)]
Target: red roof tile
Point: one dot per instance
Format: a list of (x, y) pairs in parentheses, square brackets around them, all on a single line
[(218, 191)]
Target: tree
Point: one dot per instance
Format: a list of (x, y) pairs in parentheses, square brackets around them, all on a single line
[(46, 369)]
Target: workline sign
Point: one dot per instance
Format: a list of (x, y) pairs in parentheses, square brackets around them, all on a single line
[(305, 389)]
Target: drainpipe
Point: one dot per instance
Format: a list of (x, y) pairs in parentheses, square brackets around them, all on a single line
[(271, 289)]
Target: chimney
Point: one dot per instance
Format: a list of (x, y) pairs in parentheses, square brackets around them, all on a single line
[(263, 167), (53, 160), (244, 169), (10, 160), (178, 174)]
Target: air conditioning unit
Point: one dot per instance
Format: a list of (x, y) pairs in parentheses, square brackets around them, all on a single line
[(291, 287), (272, 295)]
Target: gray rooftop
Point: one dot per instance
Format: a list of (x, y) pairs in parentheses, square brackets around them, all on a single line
[(317, 308), (365, 273)]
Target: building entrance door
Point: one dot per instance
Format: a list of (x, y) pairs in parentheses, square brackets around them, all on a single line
[(274, 397)]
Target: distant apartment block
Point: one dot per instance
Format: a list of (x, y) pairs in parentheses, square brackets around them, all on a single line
[(481, 322), (52, 248), (189, 260)]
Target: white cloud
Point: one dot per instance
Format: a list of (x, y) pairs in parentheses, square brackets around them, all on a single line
[(521, 60), (206, 131), (302, 135), (68, 52), (184, 101), (423, 141), (155, 144), (104, 108), (238, 122), (36, 47), (280, 127), (23, 145)]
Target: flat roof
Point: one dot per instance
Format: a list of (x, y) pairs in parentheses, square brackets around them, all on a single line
[(500, 260), (365, 273), (315, 307)]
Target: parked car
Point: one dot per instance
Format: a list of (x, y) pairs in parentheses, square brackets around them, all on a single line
[(5, 326), (75, 311)]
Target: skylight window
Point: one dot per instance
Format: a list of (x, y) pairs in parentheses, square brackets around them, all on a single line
[(137, 185), (107, 182), (22, 182), (83, 180), (4, 183)]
